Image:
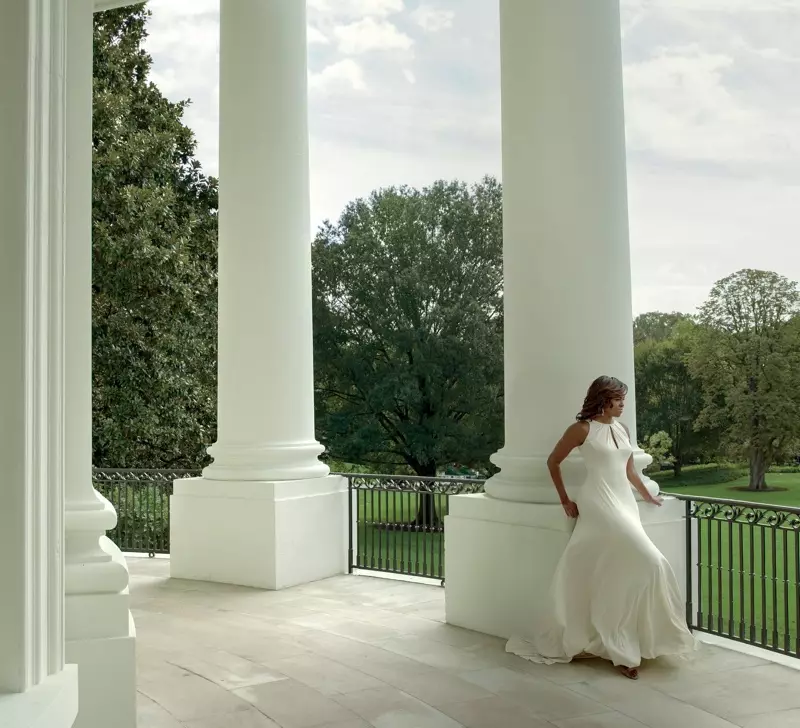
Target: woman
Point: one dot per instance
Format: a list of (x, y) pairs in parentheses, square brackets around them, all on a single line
[(614, 595)]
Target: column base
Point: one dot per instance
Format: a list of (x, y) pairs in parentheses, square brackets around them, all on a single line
[(101, 638), (265, 463), (501, 557), (526, 479), (53, 703), (267, 535), (107, 686)]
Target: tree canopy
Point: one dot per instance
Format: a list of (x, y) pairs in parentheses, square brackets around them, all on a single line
[(668, 398), (747, 356), (408, 328), (656, 326), (154, 264)]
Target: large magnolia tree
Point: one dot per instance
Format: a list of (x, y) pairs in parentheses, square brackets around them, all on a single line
[(154, 268)]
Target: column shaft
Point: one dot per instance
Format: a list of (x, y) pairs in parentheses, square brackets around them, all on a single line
[(566, 252), (266, 394)]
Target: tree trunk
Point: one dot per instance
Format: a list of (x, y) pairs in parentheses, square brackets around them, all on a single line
[(677, 468), (758, 471), (427, 517)]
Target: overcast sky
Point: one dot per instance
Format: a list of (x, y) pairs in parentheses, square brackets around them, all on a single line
[(407, 92)]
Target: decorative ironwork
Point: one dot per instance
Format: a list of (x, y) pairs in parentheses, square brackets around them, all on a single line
[(743, 572), (141, 499), (397, 522), (103, 475), (416, 484)]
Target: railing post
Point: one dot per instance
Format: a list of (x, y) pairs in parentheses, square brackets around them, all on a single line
[(350, 521), (689, 566)]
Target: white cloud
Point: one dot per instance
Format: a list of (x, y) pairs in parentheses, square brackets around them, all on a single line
[(433, 20), (344, 74), (355, 9), (409, 75), (678, 104), (369, 34), (732, 7), (316, 36)]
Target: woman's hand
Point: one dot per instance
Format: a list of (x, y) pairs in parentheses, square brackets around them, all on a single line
[(570, 508), (654, 500)]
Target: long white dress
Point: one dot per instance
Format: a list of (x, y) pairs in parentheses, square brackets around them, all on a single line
[(614, 594)]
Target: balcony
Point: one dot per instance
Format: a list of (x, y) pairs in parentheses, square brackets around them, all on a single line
[(356, 651)]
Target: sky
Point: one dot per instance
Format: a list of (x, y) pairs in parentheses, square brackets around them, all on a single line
[(408, 92)]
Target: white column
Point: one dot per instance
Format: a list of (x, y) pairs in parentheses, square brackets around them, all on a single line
[(266, 395), (567, 303), (266, 470), (35, 686), (567, 292), (99, 629)]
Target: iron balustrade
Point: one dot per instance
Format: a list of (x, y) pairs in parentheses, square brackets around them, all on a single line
[(743, 572), (397, 522), (141, 499)]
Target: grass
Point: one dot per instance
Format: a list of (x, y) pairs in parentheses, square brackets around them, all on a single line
[(726, 482), (749, 573), (386, 538)]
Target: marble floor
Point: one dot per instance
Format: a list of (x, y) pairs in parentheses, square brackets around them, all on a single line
[(355, 652)]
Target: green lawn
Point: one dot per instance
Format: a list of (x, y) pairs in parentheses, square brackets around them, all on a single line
[(387, 539), (749, 573), (704, 482)]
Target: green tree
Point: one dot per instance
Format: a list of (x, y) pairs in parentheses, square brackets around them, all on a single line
[(408, 328), (154, 264), (669, 398), (659, 446), (747, 354), (656, 325)]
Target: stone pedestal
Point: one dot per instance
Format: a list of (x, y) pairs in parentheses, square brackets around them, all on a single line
[(501, 557), (269, 535), (265, 513)]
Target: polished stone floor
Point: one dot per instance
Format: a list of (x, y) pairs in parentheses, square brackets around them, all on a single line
[(355, 652)]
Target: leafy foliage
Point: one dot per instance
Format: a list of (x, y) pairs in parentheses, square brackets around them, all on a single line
[(154, 264), (656, 326), (747, 356), (668, 398), (408, 328), (658, 446)]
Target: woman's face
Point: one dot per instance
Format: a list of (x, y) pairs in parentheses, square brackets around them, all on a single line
[(616, 407)]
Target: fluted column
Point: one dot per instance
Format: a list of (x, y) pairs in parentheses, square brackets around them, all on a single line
[(266, 391), (99, 629), (36, 687), (567, 294)]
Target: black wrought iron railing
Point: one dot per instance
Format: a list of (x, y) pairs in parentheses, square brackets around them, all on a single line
[(397, 522), (141, 498), (743, 572)]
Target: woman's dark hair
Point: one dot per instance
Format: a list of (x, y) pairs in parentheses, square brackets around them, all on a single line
[(601, 392)]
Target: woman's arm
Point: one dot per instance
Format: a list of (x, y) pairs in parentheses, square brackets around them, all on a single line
[(574, 437), (636, 481)]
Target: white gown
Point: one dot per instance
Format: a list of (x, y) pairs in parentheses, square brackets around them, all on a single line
[(614, 594)]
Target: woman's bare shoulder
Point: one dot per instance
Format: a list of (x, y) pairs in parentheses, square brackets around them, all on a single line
[(577, 431)]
